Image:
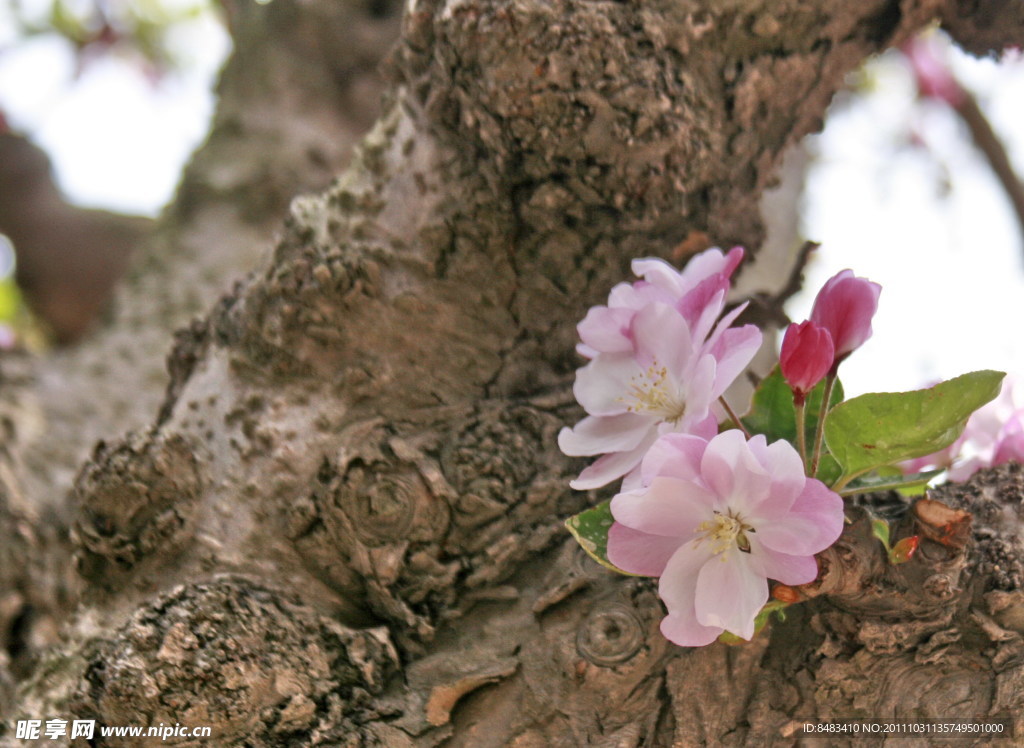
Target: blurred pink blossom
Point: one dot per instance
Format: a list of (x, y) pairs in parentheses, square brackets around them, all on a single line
[(931, 71), (715, 520), (994, 435)]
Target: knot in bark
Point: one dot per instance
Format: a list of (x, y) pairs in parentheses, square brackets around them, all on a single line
[(136, 498)]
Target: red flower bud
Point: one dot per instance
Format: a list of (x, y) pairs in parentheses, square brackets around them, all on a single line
[(807, 355), (844, 306)]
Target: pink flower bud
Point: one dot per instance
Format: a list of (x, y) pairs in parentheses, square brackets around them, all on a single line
[(931, 71), (844, 306), (807, 355)]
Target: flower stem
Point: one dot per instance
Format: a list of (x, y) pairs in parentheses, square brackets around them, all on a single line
[(732, 414), (801, 433), (819, 431)]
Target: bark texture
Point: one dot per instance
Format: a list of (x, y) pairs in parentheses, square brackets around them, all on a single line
[(340, 523)]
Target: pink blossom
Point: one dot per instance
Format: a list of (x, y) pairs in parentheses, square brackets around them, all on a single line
[(715, 520), (844, 306), (931, 71), (994, 435), (697, 292), (807, 355), (666, 382)]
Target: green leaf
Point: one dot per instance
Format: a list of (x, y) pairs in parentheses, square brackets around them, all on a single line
[(888, 481), (772, 412), (828, 469), (590, 528), (883, 428), (880, 529)]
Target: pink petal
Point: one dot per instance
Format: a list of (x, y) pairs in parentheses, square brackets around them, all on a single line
[(781, 460), (631, 481), (813, 523), (734, 351), (662, 336), (783, 567), (681, 627), (731, 589), (696, 389), (674, 456), (602, 385), (732, 472), (599, 434), (723, 324), (640, 553), (611, 466), (659, 274), (706, 429), (701, 305), (677, 588), (607, 330), (669, 506)]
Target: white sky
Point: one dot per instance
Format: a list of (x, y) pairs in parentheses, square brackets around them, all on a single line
[(929, 223), (118, 140)]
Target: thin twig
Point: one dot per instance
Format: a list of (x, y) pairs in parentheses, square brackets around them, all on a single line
[(735, 418), (992, 148)]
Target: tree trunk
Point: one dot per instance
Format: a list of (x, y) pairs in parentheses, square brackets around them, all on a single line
[(337, 519)]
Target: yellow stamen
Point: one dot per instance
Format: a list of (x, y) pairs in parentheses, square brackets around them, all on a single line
[(652, 393), (724, 530)]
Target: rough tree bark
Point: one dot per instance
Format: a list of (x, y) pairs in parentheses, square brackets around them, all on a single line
[(337, 519)]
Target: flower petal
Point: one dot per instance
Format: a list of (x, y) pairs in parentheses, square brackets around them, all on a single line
[(733, 352), (783, 567), (696, 391), (669, 506), (677, 588), (611, 466), (599, 434), (674, 456), (783, 463), (607, 330), (639, 552), (662, 336), (731, 589), (602, 385), (701, 306), (732, 472), (813, 523)]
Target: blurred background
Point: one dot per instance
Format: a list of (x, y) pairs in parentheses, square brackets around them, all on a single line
[(910, 184)]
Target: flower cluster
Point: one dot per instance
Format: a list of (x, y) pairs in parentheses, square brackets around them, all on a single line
[(714, 515), (660, 357), (717, 510)]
